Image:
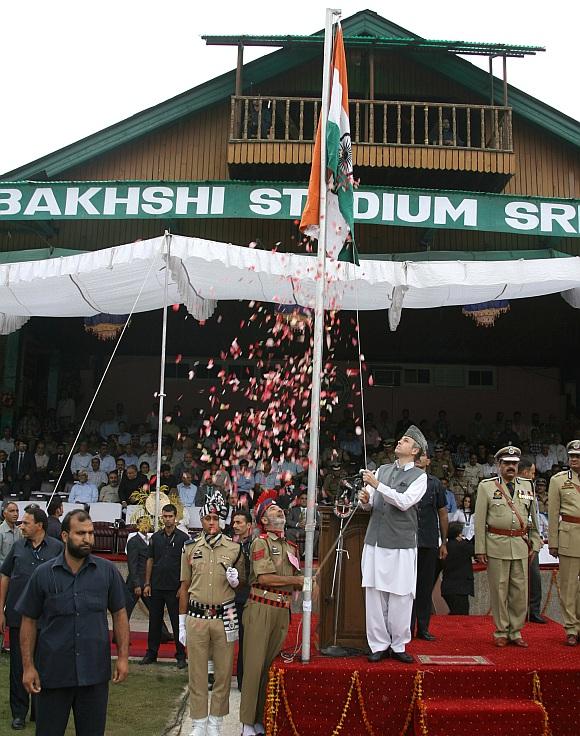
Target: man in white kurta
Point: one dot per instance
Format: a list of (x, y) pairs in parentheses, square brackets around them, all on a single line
[(389, 559)]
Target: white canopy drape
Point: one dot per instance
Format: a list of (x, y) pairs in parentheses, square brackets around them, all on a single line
[(203, 272)]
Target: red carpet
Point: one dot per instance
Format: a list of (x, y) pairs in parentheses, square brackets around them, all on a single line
[(391, 698)]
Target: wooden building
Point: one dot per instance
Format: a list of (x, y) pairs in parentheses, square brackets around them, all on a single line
[(424, 121)]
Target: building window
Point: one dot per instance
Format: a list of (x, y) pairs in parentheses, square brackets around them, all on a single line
[(481, 377), (386, 376), (417, 376)]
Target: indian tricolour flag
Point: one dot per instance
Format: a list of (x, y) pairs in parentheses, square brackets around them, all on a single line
[(340, 244)]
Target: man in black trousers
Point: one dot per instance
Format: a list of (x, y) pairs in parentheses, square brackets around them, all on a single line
[(162, 583), (431, 546), (24, 557)]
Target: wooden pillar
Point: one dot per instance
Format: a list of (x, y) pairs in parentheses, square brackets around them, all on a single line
[(505, 85), (372, 74), (239, 69), (491, 80)]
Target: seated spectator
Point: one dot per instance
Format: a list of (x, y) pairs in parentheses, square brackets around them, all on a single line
[(131, 482), (535, 442), (167, 479), (445, 135), (259, 122), (558, 450), (441, 426), (545, 460), (457, 484), (352, 444), (56, 464), (123, 436), (386, 452), (65, 410), (9, 531), (149, 456), (473, 474), (107, 461), (129, 456), (120, 467), (266, 478), (110, 492), (466, 515), (7, 442), (29, 426), (95, 475), (145, 470), (109, 426), (188, 464), (83, 491), (461, 454), (331, 487), (372, 434), (81, 460), (54, 511), (41, 459), (403, 423), (385, 426), (244, 480), (490, 469), (296, 523), (457, 582), (187, 490), (508, 435), (477, 430), (520, 427), (441, 467)]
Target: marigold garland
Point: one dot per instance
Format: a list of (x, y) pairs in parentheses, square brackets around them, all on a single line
[(361, 703), (537, 698), (272, 701), (287, 705), (417, 693)]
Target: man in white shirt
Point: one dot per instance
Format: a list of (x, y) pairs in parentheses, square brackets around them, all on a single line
[(95, 475), (7, 442), (149, 456), (81, 460), (109, 426), (82, 491), (107, 461), (545, 460), (389, 560), (558, 450), (124, 437), (129, 457)]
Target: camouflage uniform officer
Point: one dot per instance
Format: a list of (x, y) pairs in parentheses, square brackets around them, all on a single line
[(506, 530), (212, 566), (274, 574), (564, 538)]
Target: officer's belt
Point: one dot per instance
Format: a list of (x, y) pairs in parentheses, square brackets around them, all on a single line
[(281, 599), (207, 611), (571, 519), (507, 532)]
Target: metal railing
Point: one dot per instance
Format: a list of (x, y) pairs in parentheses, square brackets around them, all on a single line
[(376, 122)]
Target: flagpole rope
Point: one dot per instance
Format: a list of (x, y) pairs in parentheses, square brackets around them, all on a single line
[(82, 424)]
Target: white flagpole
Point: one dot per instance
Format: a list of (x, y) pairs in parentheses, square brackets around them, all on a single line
[(166, 248), (317, 349)]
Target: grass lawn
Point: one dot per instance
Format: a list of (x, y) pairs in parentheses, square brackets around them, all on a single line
[(144, 704)]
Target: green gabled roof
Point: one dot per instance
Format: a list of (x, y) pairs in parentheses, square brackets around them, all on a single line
[(363, 40), (365, 22)]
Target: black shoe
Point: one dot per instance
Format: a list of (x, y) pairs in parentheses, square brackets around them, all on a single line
[(181, 664), (537, 619), (377, 656), (166, 636), (402, 657), (148, 659), (18, 724), (425, 635), (210, 681)]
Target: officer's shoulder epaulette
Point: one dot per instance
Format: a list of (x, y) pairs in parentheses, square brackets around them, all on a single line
[(264, 535), (489, 480), (519, 479), (563, 474), (292, 544)]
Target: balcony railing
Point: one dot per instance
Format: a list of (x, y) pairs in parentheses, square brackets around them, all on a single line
[(375, 122)]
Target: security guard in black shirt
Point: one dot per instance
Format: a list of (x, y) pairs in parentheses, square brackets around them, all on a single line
[(23, 559)]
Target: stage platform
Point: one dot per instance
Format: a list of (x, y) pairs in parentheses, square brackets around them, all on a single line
[(500, 692)]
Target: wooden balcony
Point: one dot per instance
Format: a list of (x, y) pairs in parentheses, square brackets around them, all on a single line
[(395, 134)]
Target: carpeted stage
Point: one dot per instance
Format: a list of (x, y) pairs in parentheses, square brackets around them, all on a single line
[(523, 692)]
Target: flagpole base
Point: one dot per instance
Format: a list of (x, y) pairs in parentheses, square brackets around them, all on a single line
[(334, 651)]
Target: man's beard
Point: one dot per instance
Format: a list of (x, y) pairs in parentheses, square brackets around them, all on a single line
[(79, 552)]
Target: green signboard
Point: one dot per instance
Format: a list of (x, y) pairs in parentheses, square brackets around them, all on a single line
[(282, 201)]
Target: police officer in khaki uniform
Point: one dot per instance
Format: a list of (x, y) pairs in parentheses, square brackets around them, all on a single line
[(564, 538), (506, 532), (274, 574), (331, 487), (212, 566)]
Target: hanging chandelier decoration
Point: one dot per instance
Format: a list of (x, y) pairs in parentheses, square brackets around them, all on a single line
[(292, 321), (485, 314), (105, 326)]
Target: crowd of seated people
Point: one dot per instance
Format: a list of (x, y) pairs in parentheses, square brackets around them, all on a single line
[(116, 459)]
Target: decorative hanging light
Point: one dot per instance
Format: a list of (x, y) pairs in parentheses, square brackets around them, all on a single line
[(485, 314), (105, 326), (292, 320)]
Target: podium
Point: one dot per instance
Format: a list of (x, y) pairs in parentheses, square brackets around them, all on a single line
[(351, 616)]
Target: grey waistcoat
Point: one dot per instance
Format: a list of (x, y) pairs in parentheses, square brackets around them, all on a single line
[(389, 526)]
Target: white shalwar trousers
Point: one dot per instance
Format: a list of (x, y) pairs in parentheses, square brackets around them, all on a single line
[(388, 619)]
